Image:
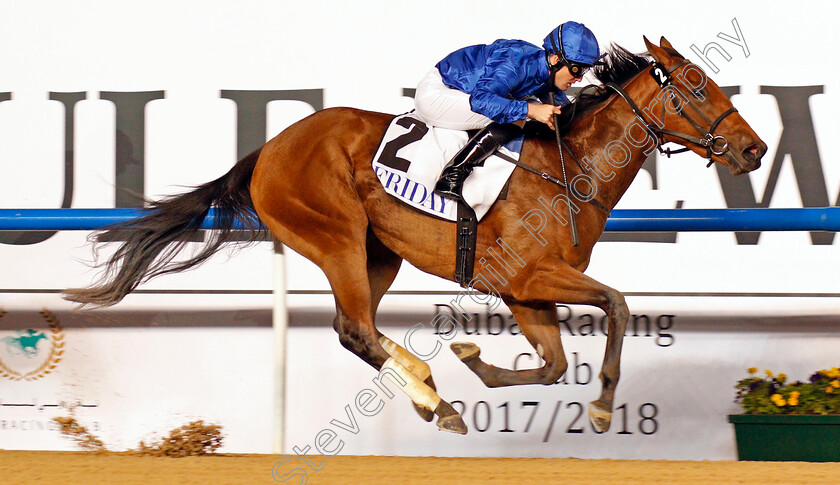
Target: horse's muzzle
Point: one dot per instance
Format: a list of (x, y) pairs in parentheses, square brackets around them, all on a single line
[(750, 158)]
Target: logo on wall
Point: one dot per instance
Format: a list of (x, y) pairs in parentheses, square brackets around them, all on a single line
[(29, 355)]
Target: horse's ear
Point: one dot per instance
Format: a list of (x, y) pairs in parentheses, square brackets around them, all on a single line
[(657, 52), (663, 42)]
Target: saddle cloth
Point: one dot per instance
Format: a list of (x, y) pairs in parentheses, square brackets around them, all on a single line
[(412, 155)]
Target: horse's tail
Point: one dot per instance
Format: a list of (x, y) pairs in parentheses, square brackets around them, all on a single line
[(152, 241)]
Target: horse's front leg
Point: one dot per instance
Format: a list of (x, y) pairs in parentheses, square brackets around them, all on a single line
[(538, 322), (556, 281)]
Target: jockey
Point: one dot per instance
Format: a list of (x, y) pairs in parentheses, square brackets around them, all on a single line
[(486, 86)]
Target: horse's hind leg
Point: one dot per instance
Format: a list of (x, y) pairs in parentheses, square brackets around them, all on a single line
[(342, 255), (539, 325), (383, 266), (303, 192), (360, 337), (348, 275)]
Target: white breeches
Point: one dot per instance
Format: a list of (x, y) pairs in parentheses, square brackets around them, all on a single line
[(439, 105)]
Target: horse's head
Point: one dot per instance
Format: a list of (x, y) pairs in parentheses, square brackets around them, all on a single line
[(690, 103)]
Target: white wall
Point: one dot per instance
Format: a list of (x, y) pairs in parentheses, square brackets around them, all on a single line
[(363, 55)]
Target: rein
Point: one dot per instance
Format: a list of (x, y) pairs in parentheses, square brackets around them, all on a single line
[(709, 140), (547, 176)]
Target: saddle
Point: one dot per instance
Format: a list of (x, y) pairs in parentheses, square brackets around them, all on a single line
[(408, 162), (412, 155)]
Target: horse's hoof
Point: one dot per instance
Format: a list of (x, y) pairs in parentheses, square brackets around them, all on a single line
[(424, 413), (599, 416), (453, 424), (465, 350), (449, 419)]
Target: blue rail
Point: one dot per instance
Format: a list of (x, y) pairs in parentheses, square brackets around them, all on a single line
[(641, 220), (809, 219)]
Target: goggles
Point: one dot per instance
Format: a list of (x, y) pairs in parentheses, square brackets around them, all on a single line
[(575, 68)]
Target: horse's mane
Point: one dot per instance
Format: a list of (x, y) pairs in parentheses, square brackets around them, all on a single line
[(618, 66)]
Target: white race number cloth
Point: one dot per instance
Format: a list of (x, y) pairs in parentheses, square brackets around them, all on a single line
[(412, 155)]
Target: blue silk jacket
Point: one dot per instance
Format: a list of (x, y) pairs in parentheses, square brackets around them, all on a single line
[(499, 77)]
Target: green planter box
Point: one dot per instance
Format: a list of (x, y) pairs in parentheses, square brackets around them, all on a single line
[(784, 437)]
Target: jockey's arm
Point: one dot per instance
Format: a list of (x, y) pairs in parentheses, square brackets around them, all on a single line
[(491, 97)]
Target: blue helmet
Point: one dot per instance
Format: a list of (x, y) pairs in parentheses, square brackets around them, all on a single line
[(574, 42)]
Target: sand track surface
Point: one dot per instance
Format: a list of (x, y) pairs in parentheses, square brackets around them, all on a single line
[(51, 467)]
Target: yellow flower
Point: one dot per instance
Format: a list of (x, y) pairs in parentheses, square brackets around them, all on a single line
[(752, 370), (795, 394), (792, 401), (778, 400), (769, 374), (781, 377), (829, 390), (834, 373), (835, 383)]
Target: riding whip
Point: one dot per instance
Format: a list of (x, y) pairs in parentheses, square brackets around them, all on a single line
[(573, 227)]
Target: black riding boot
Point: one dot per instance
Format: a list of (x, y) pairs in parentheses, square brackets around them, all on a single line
[(481, 146)]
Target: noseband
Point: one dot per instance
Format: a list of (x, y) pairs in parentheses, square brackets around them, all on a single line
[(714, 144)]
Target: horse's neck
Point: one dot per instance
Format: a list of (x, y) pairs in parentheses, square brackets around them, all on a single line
[(607, 124)]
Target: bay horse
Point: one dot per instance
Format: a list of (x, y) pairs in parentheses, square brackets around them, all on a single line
[(313, 187)]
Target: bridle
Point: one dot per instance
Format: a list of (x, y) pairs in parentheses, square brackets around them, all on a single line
[(709, 139), (714, 144)]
